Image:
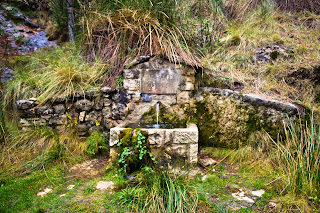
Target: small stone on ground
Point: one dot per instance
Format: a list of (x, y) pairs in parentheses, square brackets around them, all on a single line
[(104, 185), (241, 196), (207, 162), (258, 193), (44, 192), (70, 186)]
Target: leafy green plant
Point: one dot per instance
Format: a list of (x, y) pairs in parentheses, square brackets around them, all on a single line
[(120, 81), (134, 151), (90, 187), (95, 143), (19, 39)]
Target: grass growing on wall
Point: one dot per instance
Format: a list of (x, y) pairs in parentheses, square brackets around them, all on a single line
[(116, 31), (53, 72)]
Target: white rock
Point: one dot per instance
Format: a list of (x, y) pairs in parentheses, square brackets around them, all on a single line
[(258, 193), (241, 196), (44, 192), (207, 162), (104, 185), (272, 205), (82, 115), (204, 178), (47, 190), (62, 195), (41, 194), (70, 186)]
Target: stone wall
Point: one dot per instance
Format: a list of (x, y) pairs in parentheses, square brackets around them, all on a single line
[(157, 79), (103, 109), (225, 118), (228, 119), (88, 111)]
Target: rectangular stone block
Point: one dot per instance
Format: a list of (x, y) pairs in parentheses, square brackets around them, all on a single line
[(131, 74), (183, 97), (131, 84), (178, 143), (193, 153), (159, 81)]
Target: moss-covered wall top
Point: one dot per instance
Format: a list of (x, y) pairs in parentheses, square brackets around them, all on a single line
[(228, 119)]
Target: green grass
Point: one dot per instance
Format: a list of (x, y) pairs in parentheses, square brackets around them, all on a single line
[(159, 192), (150, 191), (20, 194), (156, 192), (299, 158)]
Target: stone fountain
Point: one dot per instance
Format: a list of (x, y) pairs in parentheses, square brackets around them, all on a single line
[(159, 82)]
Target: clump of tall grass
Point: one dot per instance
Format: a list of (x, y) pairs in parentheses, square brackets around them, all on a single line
[(115, 31), (52, 73), (299, 5), (240, 9), (299, 158), (37, 148), (2, 121), (158, 192)]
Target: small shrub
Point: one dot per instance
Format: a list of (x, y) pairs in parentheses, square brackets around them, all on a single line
[(59, 14), (299, 5), (36, 148), (95, 143), (116, 31)]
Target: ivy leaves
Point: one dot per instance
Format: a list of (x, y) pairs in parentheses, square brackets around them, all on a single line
[(139, 150)]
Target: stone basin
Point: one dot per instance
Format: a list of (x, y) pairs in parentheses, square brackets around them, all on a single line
[(167, 145)]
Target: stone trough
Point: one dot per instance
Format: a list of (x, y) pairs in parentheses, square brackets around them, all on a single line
[(167, 145)]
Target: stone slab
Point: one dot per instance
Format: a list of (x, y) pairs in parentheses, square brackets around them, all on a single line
[(159, 81)]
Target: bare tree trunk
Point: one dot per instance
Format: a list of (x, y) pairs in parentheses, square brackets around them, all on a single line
[(71, 22)]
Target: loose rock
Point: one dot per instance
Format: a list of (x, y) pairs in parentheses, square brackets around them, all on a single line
[(44, 192), (207, 162), (104, 185), (70, 186)]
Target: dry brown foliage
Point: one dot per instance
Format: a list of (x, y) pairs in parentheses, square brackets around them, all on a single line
[(299, 5)]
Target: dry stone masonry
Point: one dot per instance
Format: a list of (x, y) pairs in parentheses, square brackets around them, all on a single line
[(224, 117), (88, 111)]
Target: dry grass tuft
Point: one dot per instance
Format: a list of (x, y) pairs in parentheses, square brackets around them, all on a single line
[(299, 5), (239, 9), (37, 148), (51, 73), (115, 36)]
